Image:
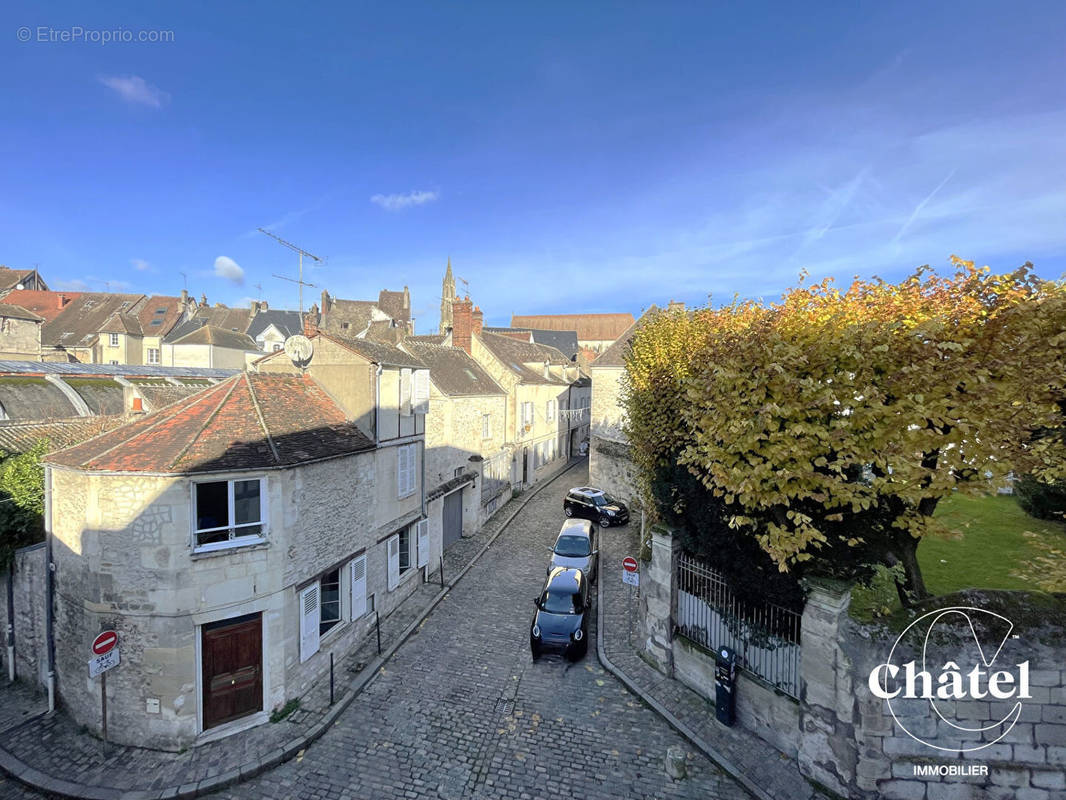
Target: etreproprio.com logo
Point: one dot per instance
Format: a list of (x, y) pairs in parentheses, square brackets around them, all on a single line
[(977, 679)]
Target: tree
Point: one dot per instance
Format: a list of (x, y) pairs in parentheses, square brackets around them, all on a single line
[(831, 424), (21, 500), (1041, 500)]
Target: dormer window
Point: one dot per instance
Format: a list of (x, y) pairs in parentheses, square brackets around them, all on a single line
[(113, 340)]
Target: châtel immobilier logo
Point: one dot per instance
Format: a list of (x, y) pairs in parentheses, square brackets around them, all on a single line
[(979, 679)]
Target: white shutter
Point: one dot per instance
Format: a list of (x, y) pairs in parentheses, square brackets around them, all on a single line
[(423, 542), (394, 562), (401, 471), (309, 619), (405, 392), (358, 568), (421, 400)]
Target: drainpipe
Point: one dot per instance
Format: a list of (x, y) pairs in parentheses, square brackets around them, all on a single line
[(11, 621), (377, 407), (49, 613)]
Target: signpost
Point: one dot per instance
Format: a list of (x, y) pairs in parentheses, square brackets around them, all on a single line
[(105, 657), (631, 577)]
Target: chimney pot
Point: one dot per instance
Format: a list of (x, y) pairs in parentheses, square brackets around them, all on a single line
[(138, 405)]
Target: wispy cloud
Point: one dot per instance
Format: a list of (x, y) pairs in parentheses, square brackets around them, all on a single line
[(918, 208), (398, 202), (140, 265), (136, 90), (226, 267)]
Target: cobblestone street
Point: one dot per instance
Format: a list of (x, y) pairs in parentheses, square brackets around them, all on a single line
[(461, 710)]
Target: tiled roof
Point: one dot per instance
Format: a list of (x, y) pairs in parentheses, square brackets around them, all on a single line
[(131, 371), (121, 323), (377, 352), (452, 371), (434, 338), (12, 277), (563, 341), (218, 337), (347, 317), (18, 437), (250, 421), (157, 397), (41, 302), (514, 355), (78, 324), (589, 327), (101, 395), (614, 356), (382, 330), (159, 314), (18, 312)]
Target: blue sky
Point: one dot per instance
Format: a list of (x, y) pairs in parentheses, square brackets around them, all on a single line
[(568, 157)]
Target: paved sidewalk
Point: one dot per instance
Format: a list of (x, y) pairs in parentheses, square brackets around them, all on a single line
[(51, 753), (760, 768)]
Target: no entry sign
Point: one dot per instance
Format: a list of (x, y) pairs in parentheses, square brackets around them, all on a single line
[(629, 564), (104, 643)]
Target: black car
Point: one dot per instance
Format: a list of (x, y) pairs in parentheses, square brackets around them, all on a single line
[(595, 505), (560, 623)]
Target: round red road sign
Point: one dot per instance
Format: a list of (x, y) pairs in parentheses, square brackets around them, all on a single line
[(104, 643), (629, 564)]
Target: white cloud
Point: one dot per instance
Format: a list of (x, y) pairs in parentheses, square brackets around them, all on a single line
[(398, 202), (76, 285), (134, 89), (140, 264), (226, 267)]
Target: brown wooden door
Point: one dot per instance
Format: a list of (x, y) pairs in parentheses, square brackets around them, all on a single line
[(232, 669)]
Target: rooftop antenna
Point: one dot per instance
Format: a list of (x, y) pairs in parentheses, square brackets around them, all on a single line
[(300, 275), (184, 281), (259, 291), (466, 286)]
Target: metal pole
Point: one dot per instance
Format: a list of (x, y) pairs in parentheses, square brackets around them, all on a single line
[(442, 571), (301, 284), (103, 708), (629, 636), (377, 624), (331, 678), (11, 621)]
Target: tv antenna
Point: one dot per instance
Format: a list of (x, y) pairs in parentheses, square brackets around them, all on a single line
[(259, 291), (299, 275), (184, 281), (466, 286)]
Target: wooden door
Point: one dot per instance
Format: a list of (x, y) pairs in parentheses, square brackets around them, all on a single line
[(232, 669)]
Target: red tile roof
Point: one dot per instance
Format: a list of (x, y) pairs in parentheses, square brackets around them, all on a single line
[(250, 421), (589, 327), (44, 304)]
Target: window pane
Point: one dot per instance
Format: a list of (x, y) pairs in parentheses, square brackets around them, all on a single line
[(246, 502), (405, 550), (212, 537), (330, 613), (212, 505)]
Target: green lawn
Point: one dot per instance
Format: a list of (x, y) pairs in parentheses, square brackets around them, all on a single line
[(991, 544)]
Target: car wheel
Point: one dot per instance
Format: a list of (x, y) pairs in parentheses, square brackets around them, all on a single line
[(605, 522), (568, 511)]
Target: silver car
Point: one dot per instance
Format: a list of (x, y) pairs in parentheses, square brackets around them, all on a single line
[(575, 548)]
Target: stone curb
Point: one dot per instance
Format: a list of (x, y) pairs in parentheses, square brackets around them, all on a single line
[(727, 766), (36, 779)]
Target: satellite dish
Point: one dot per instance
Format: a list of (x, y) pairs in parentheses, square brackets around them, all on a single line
[(20, 286), (299, 349)]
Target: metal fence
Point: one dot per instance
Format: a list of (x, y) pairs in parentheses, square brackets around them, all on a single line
[(765, 636)]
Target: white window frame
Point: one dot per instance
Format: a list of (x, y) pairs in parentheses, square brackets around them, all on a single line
[(549, 411), (406, 474), (486, 426), (232, 527), (112, 340), (153, 351), (420, 392)]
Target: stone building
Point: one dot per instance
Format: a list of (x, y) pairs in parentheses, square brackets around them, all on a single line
[(610, 467), (234, 540), (19, 279), (20, 333), (467, 453), (209, 346)]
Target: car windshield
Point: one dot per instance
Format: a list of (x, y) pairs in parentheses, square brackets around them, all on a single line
[(572, 546), (602, 499), (558, 603)]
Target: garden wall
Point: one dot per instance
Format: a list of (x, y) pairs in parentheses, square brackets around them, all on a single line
[(31, 662), (847, 740)]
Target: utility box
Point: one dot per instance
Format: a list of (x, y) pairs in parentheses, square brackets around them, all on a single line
[(725, 695)]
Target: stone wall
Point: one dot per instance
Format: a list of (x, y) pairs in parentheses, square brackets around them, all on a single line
[(611, 468), (31, 659), (20, 339), (849, 741)]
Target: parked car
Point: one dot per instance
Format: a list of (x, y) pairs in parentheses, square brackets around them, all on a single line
[(560, 623), (596, 505), (575, 548)]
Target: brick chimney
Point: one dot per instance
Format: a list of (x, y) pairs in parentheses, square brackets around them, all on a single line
[(326, 302), (311, 321), (62, 300), (184, 303), (478, 320), (462, 323)]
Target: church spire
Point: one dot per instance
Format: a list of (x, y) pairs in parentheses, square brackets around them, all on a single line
[(447, 295)]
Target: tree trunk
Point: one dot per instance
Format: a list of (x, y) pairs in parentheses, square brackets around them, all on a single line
[(913, 588)]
